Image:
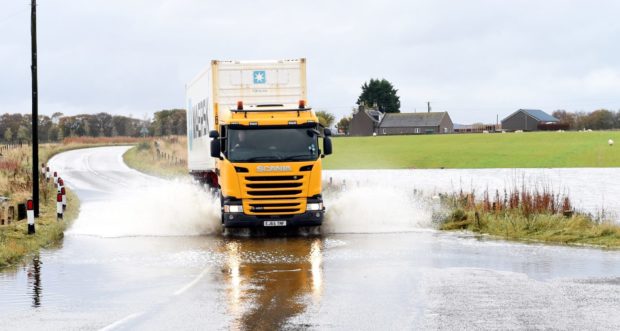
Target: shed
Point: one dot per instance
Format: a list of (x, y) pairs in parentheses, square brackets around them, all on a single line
[(527, 120)]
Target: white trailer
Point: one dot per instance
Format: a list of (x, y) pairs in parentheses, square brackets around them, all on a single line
[(220, 86)]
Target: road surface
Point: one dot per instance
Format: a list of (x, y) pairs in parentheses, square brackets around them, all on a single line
[(146, 254)]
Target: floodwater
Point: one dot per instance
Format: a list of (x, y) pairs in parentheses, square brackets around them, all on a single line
[(146, 254)]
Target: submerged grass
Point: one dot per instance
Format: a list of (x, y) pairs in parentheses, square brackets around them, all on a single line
[(528, 215)]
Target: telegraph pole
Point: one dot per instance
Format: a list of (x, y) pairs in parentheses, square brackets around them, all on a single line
[(35, 109)]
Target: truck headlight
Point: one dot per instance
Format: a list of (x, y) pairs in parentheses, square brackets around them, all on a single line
[(314, 206), (233, 208)]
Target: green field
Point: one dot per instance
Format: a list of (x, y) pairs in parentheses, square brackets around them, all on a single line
[(498, 150)]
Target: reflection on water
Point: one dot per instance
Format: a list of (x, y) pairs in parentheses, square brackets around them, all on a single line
[(34, 280), (268, 280)]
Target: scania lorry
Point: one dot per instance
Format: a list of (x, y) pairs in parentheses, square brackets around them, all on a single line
[(253, 139)]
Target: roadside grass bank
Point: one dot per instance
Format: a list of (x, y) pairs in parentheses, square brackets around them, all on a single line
[(498, 150), (526, 215), (163, 157), (16, 184)]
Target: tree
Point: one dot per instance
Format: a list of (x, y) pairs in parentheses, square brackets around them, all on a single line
[(325, 119), (565, 117), (343, 125), (601, 119), (169, 122), (8, 135), (23, 134), (56, 117), (382, 93)]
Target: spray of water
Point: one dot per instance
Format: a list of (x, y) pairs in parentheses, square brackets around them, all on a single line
[(371, 208), (182, 208), (163, 208)]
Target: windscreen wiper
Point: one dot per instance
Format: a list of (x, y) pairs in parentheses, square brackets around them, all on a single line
[(300, 156), (261, 158)]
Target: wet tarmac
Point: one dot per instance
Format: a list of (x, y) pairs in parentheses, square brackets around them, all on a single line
[(130, 263)]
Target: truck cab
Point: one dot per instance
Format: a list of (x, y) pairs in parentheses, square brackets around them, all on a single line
[(268, 165)]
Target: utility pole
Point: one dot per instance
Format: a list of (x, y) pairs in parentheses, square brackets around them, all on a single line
[(428, 105), (35, 109)]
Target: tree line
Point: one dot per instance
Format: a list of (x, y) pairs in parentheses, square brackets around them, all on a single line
[(18, 127), (601, 119)]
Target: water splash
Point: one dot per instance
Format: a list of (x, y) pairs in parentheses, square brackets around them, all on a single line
[(161, 208), (372, 208)]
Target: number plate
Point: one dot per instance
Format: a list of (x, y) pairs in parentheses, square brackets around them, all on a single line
[(274, 223)]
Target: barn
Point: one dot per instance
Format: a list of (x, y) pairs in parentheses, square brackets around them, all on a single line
[(527, 120)]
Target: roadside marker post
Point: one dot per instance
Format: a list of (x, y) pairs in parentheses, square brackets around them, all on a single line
[(60, 184), (42, 169), (55, 179), (59, 209), (47, 173), (64, 198), (30, 216)]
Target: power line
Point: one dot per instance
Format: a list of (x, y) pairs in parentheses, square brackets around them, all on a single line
[(7, 18)]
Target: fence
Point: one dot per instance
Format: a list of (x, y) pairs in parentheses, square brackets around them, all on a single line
[(166, 156), (6, 147)]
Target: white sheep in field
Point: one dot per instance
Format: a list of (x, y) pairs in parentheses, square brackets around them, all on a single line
[(610, 142)]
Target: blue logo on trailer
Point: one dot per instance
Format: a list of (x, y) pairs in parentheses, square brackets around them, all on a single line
[(259, 77)]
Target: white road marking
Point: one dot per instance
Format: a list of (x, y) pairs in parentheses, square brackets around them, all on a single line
[(194, 282), (120, 322)]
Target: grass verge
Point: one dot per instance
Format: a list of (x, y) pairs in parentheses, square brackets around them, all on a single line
[(16, 183), (528, 216), (164, 157), (15, 243)]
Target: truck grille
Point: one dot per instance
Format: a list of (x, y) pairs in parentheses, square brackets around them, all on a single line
[(274, 195)]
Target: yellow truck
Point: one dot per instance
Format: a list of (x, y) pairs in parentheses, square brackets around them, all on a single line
[(253, 139)]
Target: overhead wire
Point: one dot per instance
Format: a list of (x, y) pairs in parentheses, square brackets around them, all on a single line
[(7, 18)]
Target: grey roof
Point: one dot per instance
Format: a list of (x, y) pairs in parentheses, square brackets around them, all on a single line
[(375, 115), (537, 114), (402, 120)]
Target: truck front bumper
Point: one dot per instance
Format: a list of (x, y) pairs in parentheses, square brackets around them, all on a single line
[(241, 220)]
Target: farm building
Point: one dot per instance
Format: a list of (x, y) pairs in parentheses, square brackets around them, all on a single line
[(365, 122), (528, 120), (416, 123)]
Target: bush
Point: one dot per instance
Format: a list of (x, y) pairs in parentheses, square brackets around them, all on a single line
[(144, 146)]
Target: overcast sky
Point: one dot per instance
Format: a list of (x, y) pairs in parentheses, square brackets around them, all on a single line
[(474, 59)]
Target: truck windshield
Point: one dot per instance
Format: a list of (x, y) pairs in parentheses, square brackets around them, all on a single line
[(272, 145)]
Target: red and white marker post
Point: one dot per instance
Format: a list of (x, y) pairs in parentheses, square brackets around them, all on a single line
[(59, 209), (55, 179), (30, 215), (64, 198)]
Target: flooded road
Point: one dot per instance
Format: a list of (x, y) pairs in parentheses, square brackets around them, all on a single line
[(146, 254)]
